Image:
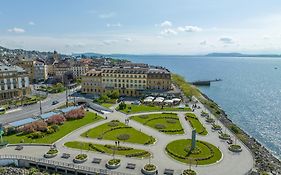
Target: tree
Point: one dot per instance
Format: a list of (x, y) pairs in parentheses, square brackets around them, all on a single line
[(75, 114), (56, 120), (122, 106)]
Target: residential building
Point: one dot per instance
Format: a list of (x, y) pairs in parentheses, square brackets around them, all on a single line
[(130, 80), (36, 69), (14, 83)]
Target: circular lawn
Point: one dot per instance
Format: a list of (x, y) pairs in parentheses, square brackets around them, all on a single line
[(203, 154)]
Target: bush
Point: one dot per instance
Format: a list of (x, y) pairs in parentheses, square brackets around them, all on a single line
[(50, 131), (113, 123), (40, 126), (149, 167), (55, 127), (56, 120), (75, 114), (114, 161), (81, 157), (36, 135), (122, 106)]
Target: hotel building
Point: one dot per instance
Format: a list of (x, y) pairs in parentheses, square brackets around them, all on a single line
[(14, 83), (129, 79)]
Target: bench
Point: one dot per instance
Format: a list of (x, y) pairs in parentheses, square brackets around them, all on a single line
[(96, 161), (65, 156), (169, 172), (131, 166)]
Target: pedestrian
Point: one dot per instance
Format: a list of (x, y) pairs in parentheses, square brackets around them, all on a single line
[(156, 171)]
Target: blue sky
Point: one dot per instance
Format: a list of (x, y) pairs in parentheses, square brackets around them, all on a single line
[(142, 27)]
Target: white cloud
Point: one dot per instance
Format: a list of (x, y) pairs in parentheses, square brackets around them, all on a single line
[(107, 15), (128, 40), (168, 32), (189, 29), (114, 25), (166, 24), (31, 23), (109, 42), (16, 30), (203, 43), (226, 40)]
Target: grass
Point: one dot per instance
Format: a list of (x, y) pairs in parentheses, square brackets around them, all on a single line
[(113, 130), (107, 105), (131, 109), (206, 152), (64, 129), (108, 149), (166, 122), (196, 124)]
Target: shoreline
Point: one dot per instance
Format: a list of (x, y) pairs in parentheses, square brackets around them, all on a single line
[(264, 159)]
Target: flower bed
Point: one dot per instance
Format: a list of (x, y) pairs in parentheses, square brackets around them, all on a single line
[(149, 169), (80, 158), (224, 136), (235, 148), (188, 172), (113, 163), (210, 120), (216, 127), (51, 153)]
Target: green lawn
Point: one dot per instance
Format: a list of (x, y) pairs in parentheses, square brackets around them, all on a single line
[(107, 105), (117, 131), (66, 128), (204, 153), (131, 109), (196, 124), (108, 149), (167, 123)]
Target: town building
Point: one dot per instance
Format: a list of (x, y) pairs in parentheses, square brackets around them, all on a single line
[(14, 83), (36, 69), (129, 79)]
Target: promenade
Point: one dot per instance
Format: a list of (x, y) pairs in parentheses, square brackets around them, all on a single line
[(227, 165)]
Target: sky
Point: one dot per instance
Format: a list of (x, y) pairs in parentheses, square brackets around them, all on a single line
[(143, 26)]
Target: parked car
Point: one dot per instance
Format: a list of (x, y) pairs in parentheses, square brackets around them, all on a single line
[(55, 102)]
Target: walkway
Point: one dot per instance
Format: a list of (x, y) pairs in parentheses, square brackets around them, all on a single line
[(228, 165)]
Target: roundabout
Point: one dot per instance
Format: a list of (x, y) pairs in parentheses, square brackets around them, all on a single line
[(204, 153)]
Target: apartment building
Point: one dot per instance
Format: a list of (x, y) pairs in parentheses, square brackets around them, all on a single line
[(133, 80), (14, 83), (36, 69)]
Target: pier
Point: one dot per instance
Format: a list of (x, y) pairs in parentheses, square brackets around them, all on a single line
[(205, 82)]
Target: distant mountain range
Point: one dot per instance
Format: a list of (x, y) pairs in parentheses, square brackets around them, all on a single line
[(233, 54)]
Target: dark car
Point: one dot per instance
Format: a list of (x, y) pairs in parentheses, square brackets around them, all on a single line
[(55, 102)]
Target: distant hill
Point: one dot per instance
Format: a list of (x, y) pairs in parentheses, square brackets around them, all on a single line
[(234, 54)]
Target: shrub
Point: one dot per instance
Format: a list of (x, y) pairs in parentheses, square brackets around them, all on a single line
[(75, 114), (50, 131), (36, 135), (149, 167), (113, 123), (122, 106), (55, 127), (56, 120), (81, 156), (114, 161)]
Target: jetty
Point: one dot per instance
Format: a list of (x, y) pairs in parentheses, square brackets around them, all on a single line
[(204, 82)]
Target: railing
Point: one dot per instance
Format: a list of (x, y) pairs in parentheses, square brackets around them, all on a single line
[(62, 164)]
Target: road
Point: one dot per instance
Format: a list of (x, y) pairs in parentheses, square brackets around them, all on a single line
[(34, 110)]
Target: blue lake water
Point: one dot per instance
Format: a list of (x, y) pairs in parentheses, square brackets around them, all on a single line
[(250, 92)]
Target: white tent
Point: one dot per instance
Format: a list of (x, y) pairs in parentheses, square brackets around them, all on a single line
[(176, 100), (168, 101), (147, 100), (159, 100)]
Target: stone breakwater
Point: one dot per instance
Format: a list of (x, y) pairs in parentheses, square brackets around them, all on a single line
[(265, 161)]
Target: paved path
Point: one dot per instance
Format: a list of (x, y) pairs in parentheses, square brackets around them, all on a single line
[(228, 165)]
